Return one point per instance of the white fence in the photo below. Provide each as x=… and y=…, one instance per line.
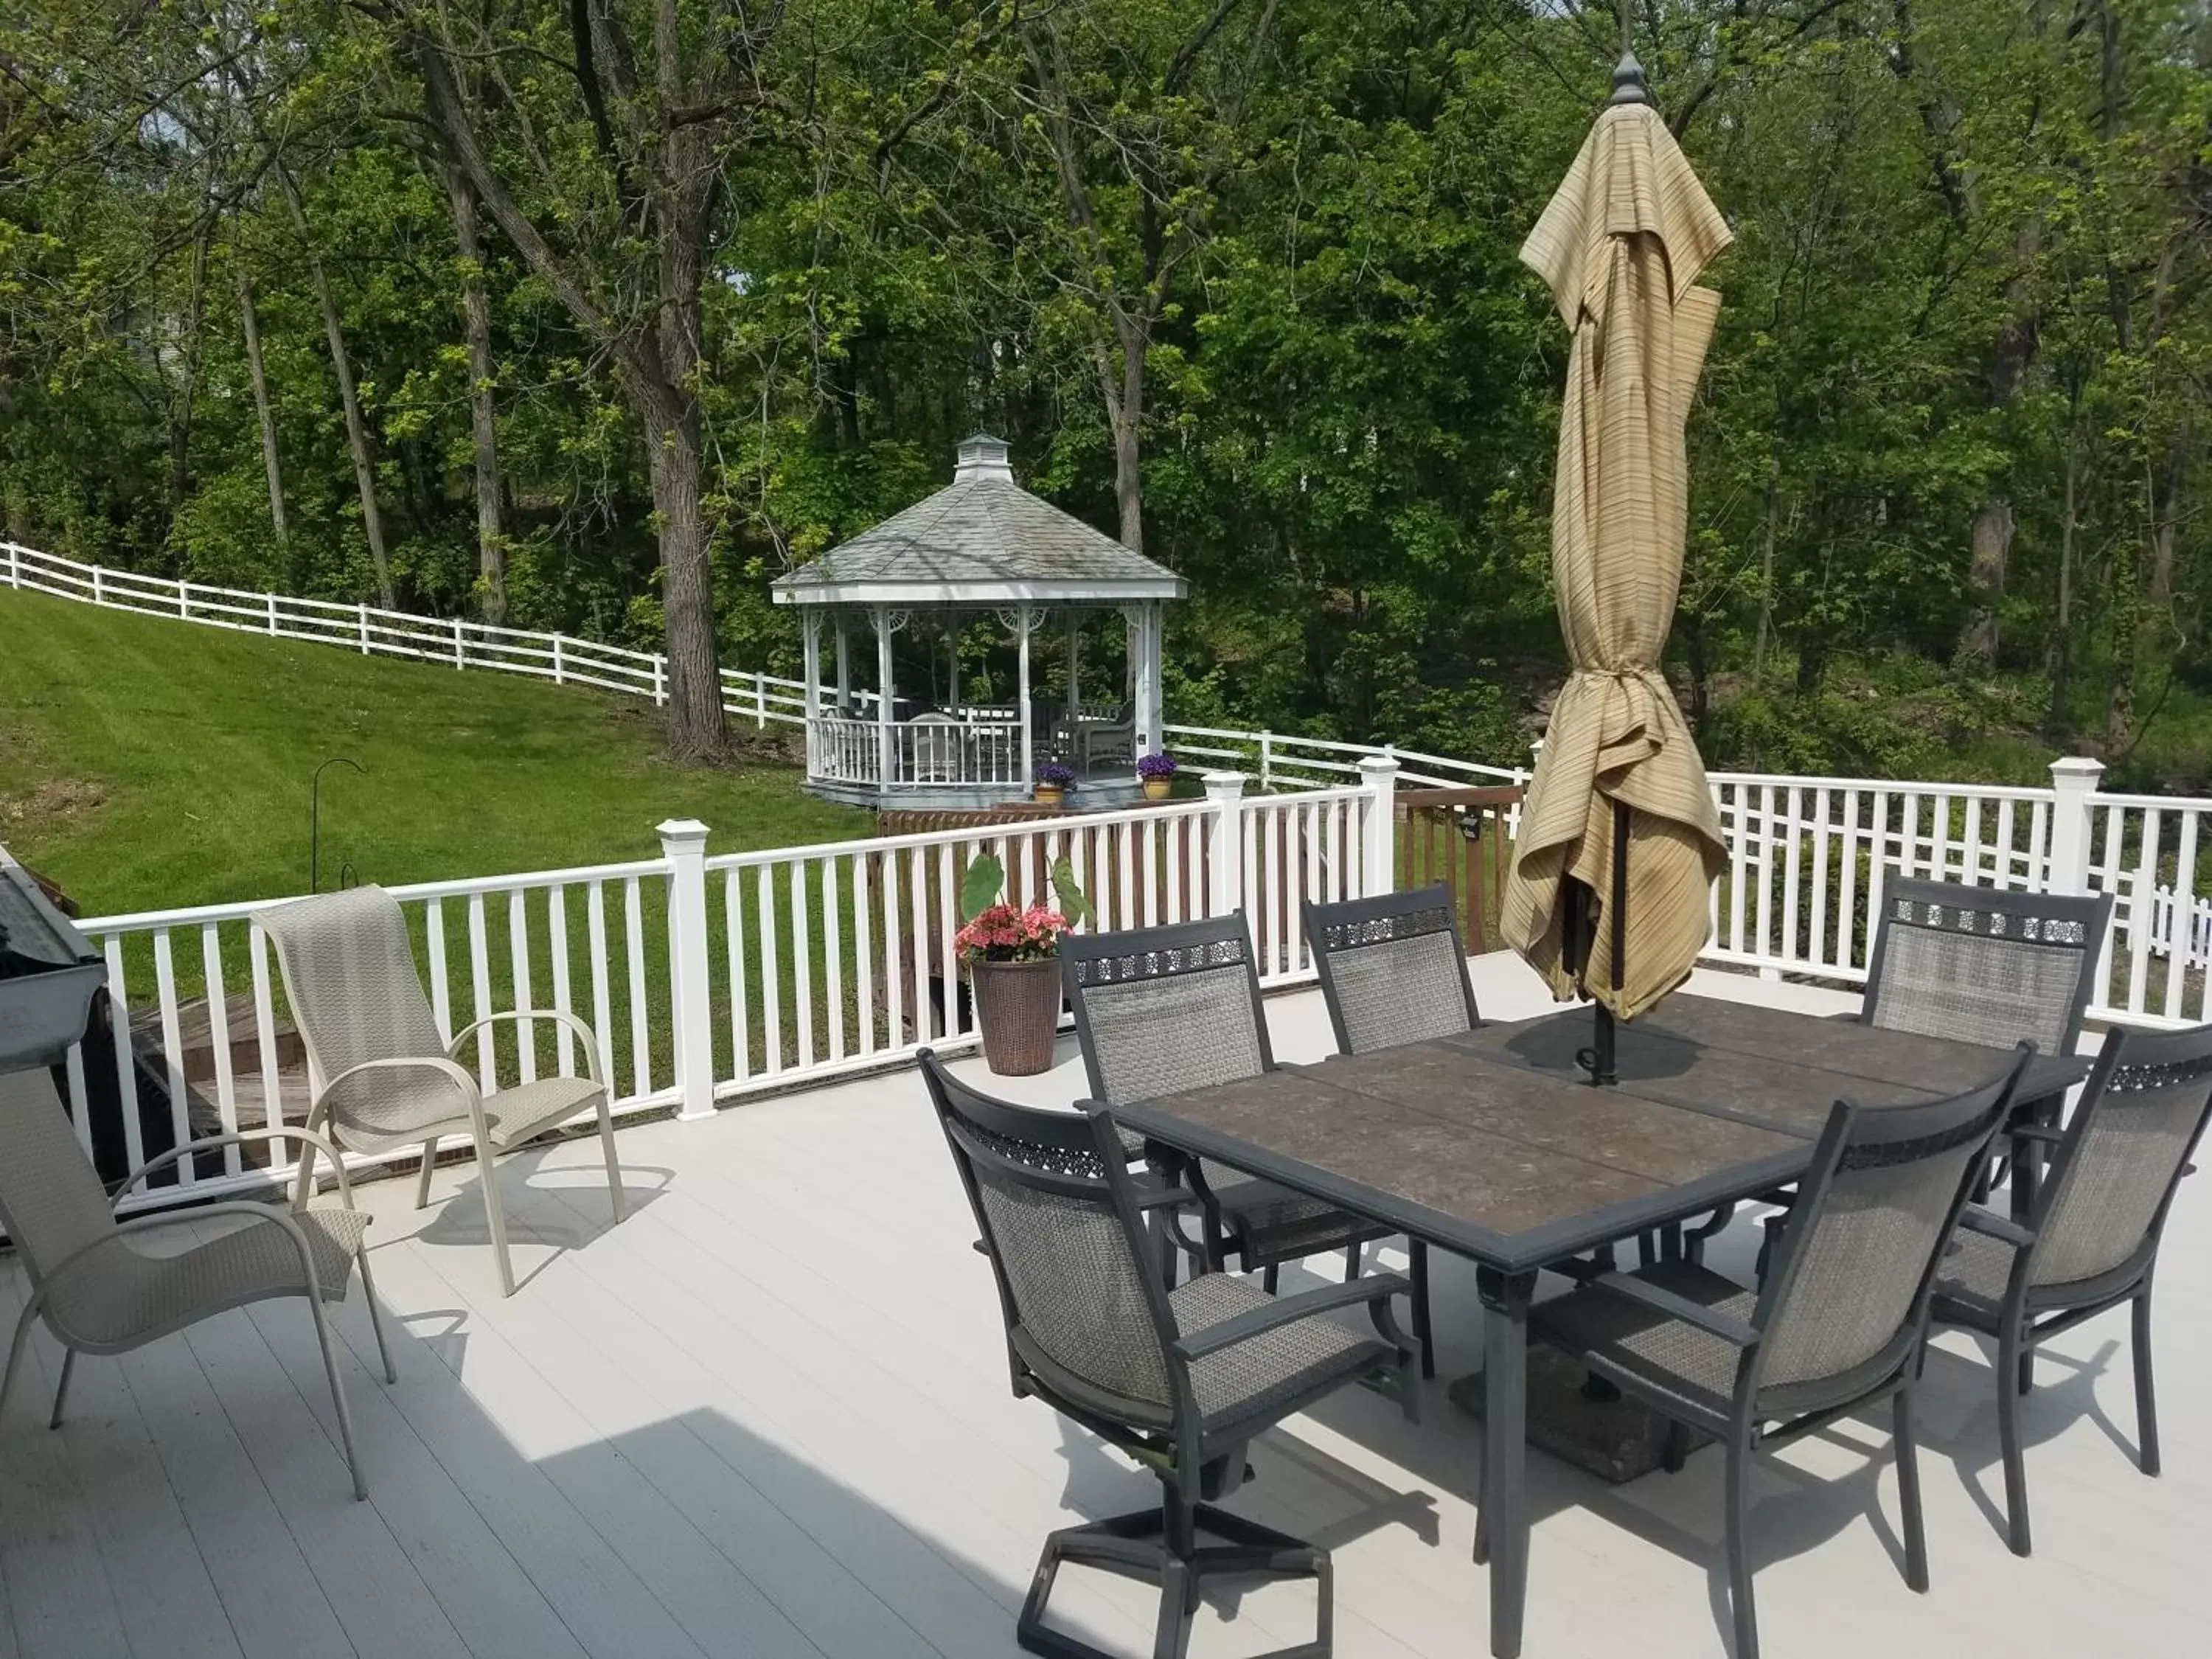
x=1808, y=856
x=703, y=978
x=456, y=641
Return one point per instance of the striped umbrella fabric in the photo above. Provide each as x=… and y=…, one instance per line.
x=1620, y=246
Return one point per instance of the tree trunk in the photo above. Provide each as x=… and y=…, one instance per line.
x=476, y=315
x=696, y=729
x=1766, y=580
x=364, y=465
x=2062, y=640
x=1991, y=541
x=271, y=463
x=1121, y=384
x=180, y=420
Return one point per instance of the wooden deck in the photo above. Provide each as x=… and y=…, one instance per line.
x=768, y=1417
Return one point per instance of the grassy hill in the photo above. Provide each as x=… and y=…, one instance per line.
x=147, y=764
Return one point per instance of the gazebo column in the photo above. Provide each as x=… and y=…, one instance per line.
x=885, y=775
x=810, y=628
x=1074, y=667
x=1022, y=640
x=1143, y=654
x=952, y=663
x=844, y=663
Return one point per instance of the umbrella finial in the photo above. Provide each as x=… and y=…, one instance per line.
x=1628, y=82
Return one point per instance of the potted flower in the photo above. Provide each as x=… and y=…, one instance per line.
x=1157, y=773
x=1011, y=956
x=1052, y=779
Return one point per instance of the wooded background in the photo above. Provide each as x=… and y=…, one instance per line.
x=599, y=315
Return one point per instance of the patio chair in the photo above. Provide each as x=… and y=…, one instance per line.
x=2092, y=1240
x=1160, y=1010
x=383, y=1076
x=1393, y=970
x=1181, y=1380
x=1978, y=966
x=1838, y=1324
x=936, y=748
x=105, y=1286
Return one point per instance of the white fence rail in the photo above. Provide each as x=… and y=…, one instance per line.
x=457, y=641
x=702, y=978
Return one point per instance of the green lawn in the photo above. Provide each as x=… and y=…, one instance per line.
x=147, y=764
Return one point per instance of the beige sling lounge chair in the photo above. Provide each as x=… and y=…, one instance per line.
x=106, y=1286
x=382, y=1075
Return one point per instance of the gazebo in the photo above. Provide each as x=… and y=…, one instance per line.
x=981, y=547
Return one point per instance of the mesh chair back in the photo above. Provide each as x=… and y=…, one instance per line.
x=1984, y=966
x=1159, y=1009
x=1852, y=1277
x=49, y=1195
x=2128, y=1140
x=1392, y=969
x=1072, y=1281
x=349, y=975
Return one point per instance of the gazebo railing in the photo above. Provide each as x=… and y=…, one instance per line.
x=926, y=751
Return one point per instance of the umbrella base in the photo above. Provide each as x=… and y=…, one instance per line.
x=1617, y=1439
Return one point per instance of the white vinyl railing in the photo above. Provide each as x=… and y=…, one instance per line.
x=1809, y=859
x=1275, y=761
x=702, y=978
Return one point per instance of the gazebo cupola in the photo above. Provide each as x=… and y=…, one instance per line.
x=920, y=583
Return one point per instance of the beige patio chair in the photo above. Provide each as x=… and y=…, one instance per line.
x=381, y=1074
x=105, y=1286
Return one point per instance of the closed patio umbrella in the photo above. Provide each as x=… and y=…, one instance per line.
x=1620, y=244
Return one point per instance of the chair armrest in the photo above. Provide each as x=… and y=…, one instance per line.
x=1712, y=1320
x=1153, y=1197
x=210, y=1142
x=1288, y=1309
x=269, y=1214
x=1993, y=1226
x=558, y=1016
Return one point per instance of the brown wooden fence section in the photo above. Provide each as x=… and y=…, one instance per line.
x=1458, y=837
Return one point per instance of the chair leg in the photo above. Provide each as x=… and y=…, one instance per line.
x=2015, y=1462
x=1424, y=1331
x=23, y=1323
x=376, y=1320
x=337, y=1396
x=1675, y=1451
x=1352, y=1256
x=615, y=1193
x=61, y=1388
x=494, y=1219
x=2146, y=1400
x=1736, y=1500
x=422, y=1181
x=1908, y=1491
x=1270, y=1277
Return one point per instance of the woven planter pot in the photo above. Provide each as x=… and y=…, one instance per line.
x=1157, y=788
x=1044, y=795
x=1018, y=1006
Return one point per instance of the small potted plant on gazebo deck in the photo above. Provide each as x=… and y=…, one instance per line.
x=1012, y=953
x=1051, y=781
x=1157, y=773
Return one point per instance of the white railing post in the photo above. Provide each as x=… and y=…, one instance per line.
x=184, y=600
x=1224, y=879
x=98, y=596
x=659, y=681
x=2074, y=778
x=15, y=565
x=272, y=599
x=760, y=702
x=460, y=657
x=362, y=611
x=560, y=661
x=683, y=844
x=1267, y=761
x=1378, y=830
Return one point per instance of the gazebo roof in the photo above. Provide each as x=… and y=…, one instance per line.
x=981, y=540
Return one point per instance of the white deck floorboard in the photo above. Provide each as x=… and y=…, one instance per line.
x=768, y=1417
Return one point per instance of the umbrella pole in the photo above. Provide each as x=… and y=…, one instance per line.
x=1598, y=1059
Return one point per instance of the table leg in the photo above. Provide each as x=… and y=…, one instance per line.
x=1501, y=1535
x=2027, y=1156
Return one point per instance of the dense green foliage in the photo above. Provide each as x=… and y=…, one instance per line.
x=1238, y=279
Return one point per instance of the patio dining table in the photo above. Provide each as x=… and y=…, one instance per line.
x=1489, y=1145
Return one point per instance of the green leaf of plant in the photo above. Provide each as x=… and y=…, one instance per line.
x=1074, y=904
x=979, y=888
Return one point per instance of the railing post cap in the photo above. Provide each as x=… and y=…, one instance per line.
x=1223, y=785
x=683, y=832
x=1378, y=766
x=2076, y=766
